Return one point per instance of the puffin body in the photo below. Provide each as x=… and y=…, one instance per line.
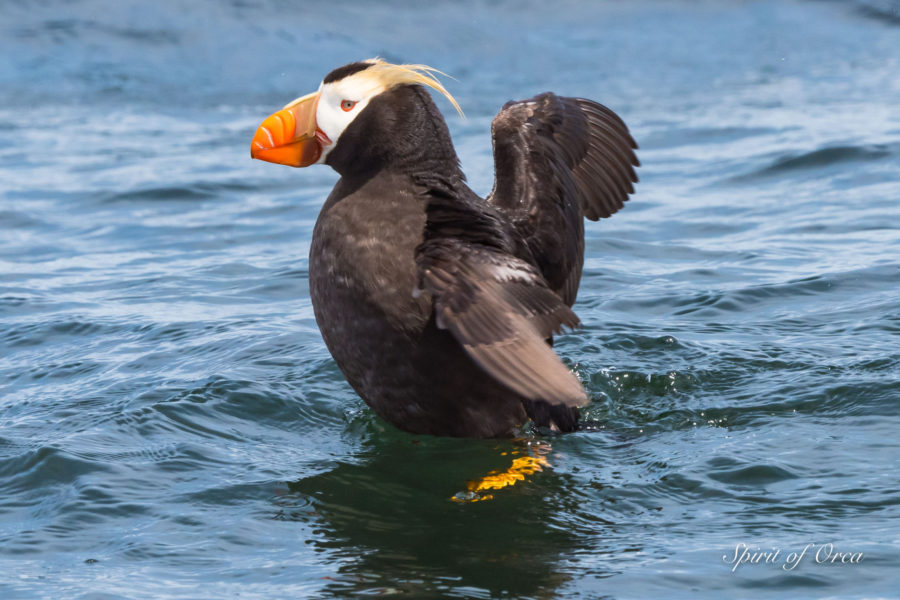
x=438, y=306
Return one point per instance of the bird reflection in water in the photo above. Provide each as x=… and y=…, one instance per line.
x=388, y=525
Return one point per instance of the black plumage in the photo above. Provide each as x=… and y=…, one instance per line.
x=438, y=305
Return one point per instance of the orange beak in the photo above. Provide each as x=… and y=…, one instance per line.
x=290, y=136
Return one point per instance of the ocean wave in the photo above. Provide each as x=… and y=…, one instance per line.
x=818, y=159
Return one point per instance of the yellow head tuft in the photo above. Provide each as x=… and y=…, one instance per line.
x=390, y=75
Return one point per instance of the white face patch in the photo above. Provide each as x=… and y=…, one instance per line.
x=334, y=113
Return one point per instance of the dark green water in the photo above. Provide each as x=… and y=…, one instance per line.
x=172, y=426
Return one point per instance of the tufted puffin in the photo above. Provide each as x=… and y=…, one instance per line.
x=439, y=306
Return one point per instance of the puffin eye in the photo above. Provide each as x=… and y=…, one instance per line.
x=347, y=105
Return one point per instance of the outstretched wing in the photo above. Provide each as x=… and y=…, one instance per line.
x=497, y=306
x=558, y=160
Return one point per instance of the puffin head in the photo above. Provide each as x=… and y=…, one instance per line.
x=305, y=131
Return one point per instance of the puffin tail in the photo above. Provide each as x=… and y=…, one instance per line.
x=552, y=418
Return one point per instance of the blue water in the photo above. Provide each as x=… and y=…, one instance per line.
x=171, y=424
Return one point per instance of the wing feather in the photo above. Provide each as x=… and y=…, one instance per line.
x=558, y=160
x=504, y=274
x=501, y=311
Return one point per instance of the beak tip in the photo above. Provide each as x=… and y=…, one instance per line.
x=279, y=140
